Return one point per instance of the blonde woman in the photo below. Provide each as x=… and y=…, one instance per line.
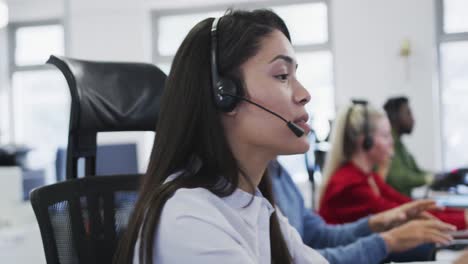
x=352, y=189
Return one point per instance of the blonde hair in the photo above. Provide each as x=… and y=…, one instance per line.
x=346, y=133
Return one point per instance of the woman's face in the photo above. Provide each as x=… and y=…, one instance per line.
x=270, y=80
x=382, y=149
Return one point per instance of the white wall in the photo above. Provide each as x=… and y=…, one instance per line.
x=30, y=10
x=109, y=30
x=367, y=35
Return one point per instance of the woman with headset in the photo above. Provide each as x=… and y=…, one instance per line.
x=362, y=140
x=231, y=104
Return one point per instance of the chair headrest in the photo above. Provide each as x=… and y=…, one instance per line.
x=112, y=96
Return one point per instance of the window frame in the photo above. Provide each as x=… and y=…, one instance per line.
x=12, y=28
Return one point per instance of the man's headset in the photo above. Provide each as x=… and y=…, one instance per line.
x=228, y=92
x=368, y=141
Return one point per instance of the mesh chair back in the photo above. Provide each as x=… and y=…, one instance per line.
x=82, y=219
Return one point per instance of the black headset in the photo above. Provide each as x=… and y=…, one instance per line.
x=368, y=141
x=226, y=92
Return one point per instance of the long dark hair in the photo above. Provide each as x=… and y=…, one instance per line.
x=190, y=126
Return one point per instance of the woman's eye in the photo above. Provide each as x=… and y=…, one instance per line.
x=282, y=77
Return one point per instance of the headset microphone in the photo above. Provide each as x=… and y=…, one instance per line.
x=298, y=131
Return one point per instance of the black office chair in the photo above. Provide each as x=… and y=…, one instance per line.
x=81, y=219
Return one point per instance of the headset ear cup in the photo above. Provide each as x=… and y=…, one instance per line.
x=228, y=103
x=367, y=143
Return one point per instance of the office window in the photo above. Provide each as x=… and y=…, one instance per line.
x=308, y=24
x=39, y=108
x=34, y=44
x=453, y=50
x=173, y=29
x=39, y=95
x=454, y=17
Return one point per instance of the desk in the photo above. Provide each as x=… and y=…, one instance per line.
x=20, y=238
x=442, y=198
x=442, y=257
x=11, y=187
x=449, y=199
x=21, y=245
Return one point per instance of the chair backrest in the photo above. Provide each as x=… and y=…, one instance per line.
x=82, y=219
x=105, y=97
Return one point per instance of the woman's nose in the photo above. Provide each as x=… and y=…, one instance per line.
x=302, y=96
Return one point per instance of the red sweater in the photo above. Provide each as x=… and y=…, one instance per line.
x=349, y=197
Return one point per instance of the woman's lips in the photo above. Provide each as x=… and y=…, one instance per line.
x=303, y=124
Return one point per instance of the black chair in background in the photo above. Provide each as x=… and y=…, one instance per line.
x=81, y=219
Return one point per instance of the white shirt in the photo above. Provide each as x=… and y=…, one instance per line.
x=196, y=226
